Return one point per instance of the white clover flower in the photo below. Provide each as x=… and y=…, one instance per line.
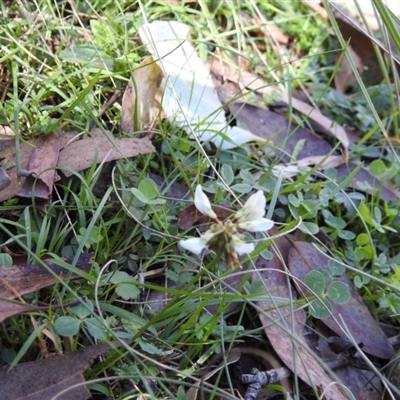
x=223, y=237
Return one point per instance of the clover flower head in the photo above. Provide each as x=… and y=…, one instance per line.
x=223, y=236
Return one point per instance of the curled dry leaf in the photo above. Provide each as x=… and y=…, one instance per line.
x=138, y=108
x=9, y=308
x=41, y=170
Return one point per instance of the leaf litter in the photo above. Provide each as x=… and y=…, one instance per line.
x=284, y=137
x=272, y=272
x=360, y=324
x=41, y=170
x=47, y=378
x=284, y=325
x=18, y=280
x=75, y=154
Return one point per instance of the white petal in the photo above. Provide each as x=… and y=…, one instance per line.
x=202, y=203
x=242, y=247
x=257, y=225
x=253, y=209
x=195, y=245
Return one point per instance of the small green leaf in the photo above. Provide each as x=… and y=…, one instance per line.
x=266, y=255
x=91, y=55
x=127, y=291
x=103, y=32
x=247, y=176
x=149, y=348
x=139, y=195
x=346, y=235
x=335, y=222
x=181, y=395
x=67, y=326
x=126, y=287
x=293, y=200
x=362, y=239
x=377, y=168
x=308, y=208
x=298, y=147
x=320, y=308
x=358, y=282
x=315, y=282
x=135, y=322
x=336, y=268
x=227, y=174
x=309, y=227
x=241, y=188
x=95, y=328
x=365, y=213
x=143, y=198
x=5, y=260
x=148, y=188
x=256, y=287
x=338, y=292
x=83, y=310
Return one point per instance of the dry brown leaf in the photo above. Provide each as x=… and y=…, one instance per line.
x=277, y=129
x=41, y=170
x=285, y=137
x=365, y=182
x=27, y=278
x=140, y=97
x=352, y=29
x=363, y=384
x=258, y=85
x=76, y=154
x=363, y=328
x=4, y=179
x=9, y=308
x=80, y=154
x=285, y=330
x=45, y=379
x=345, y=76
x=6, y=132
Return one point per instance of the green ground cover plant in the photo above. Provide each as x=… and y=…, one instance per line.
x=178, y=276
